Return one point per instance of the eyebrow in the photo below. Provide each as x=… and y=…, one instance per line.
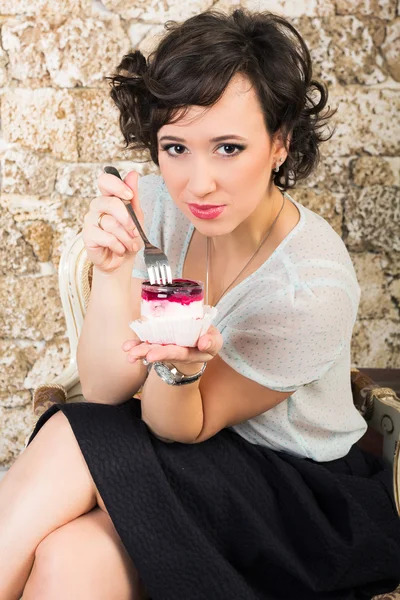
x=220, y=138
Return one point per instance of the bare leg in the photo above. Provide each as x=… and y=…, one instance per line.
x=48, y=486
x=84, y=560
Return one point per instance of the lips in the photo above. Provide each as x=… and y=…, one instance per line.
x=206, y=206
x=206, y=211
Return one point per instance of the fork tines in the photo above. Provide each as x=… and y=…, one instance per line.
x=160, y=273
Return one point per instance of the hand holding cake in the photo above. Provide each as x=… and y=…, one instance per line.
x=208, y=346
x=174, y=324
x=173, y=313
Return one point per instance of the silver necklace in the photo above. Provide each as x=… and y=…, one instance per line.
x=248, y=262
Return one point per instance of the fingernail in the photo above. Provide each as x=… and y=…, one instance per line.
x=128, y=195
x=208, y=346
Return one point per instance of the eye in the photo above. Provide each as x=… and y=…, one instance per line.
x=231, y=149
x=178, y=149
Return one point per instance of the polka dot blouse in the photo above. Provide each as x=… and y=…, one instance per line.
x=293, y=335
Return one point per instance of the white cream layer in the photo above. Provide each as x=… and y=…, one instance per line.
x=163, y=308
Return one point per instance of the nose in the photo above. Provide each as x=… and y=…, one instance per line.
x=201, y=180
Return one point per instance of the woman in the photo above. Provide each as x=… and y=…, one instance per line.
x=246, y=481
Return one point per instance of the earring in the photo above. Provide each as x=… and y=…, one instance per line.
x=278, y=165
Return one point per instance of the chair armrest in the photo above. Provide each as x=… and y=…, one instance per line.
x=380, y=407
x=55, y=391
x=45, y=396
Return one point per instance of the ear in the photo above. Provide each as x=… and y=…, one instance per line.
x=280, y=145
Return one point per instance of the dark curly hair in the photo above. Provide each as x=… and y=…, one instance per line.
x=194, y=63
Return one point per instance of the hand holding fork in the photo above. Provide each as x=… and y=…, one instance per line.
x=113, y=224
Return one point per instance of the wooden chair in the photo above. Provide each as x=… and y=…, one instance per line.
x=379, y=406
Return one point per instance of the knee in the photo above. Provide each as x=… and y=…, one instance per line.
x=48, y=571
x=57, y=424
x=56, y=430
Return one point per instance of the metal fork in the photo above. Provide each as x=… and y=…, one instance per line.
x=155, y=260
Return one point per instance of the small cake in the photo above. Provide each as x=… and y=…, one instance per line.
x=173, y=313
x=183, y=299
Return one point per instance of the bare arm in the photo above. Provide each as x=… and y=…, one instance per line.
x=105, y=374
x=195, y=412
x=173, y=413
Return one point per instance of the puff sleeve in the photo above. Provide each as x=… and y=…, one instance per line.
x=291, y=338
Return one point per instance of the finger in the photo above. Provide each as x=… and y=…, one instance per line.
x=111, y=185
x=95, y=237
x=138, y=352
x=171, y=353
x=153, y=352
x=212, y=341
x=132, y=180
x=204, y=343
x=111, y=225
x=113, y=206
x=129, y=344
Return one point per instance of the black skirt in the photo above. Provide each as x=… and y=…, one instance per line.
x=229, y=520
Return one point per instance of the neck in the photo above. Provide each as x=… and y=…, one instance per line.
x=245, y=239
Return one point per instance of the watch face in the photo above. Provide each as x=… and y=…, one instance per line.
x=164, y=373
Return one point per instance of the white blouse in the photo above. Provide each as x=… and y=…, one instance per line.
x=287, y=326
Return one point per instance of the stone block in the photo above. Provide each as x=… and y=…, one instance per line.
x=81, y=179
x=343, y=50
x=3, y=68
x=394, y=292
x=54, y=11
x=15, y=425
x=375, y=302
x=286, y=8
x=76, y=208
x=138, y=31
x=391, y=49
x=154, y=11
x=319, y=41
x=49, y=365
x=26, y=42
x=367, y=121
x=63, y=235
x=391, y=265
x=42, y=120
x=375, y=170
x=383, y=9
x=376, y=344
x=31, y=208
x=15, y=399
x=99, y=135
x=332, y=174
x=372, y=217
x=324, y=203
x=355, y=56
x=14, y=368
x=30, y=308
x=40, y=236
x=28, y=172
x=151, y=40
x=77, y=53
x=78, y=180
x=16, y=254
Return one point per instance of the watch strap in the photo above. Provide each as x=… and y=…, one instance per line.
x=171, y=374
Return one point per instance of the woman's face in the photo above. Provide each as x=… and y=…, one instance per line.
x=216, y=156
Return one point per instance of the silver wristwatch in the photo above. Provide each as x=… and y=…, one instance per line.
x=170, y=374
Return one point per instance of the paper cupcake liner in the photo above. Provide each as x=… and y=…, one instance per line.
x=179, y=331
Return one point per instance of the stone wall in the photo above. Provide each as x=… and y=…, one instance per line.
x=59, y=128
